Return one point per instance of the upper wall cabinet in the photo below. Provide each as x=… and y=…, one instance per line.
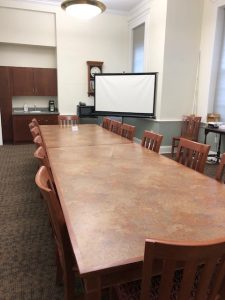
x=45, y=81
x=34, y=82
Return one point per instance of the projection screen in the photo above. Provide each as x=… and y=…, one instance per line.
x=124, y=94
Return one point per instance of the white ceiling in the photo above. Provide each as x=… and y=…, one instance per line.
x=119, y=5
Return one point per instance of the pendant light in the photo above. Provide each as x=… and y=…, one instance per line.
x=83, y=9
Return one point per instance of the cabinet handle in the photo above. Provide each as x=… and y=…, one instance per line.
x=33, y=91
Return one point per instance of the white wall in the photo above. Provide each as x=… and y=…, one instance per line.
x=153, y=14
x=172, y=43
x=27, y=27
x=210, y=45
x=104, y=38
x=27, y=56
x=156, y=35
x=182, y=41
x=173, y=30
x=19, y=55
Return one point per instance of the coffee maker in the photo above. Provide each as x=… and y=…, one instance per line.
x=51, y=105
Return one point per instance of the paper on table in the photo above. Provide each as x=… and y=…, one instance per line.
x=75, y=128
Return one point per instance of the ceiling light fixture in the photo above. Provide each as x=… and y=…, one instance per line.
x=83, y=9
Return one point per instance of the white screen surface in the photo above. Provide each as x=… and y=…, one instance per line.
x=125, y=93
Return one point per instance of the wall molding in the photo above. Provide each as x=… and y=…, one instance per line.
x=162, y=121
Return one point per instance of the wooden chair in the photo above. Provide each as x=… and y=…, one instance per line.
x=106, y=123
x=35, y=121
x=127, y=131
x=65, y=120
x=189, y=130
x=220, y=168
x=151, y=140
x=115, y=126
x=189, y=271
x=38, y=141
x=63, y=246
x=41, y=155
x=35, y=132
x=192, y=154
x=31, y=125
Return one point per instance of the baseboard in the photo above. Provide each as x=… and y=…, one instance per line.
x=165, y=149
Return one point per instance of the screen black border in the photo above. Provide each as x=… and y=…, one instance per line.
x=128, y=114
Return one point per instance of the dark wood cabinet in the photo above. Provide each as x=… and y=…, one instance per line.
x=45, y=82
x=34, y=81
x=22, y=81
x=21, y=131
x=19, y=81
x=6, y=104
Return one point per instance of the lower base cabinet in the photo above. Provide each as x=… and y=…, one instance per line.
x=21, y=131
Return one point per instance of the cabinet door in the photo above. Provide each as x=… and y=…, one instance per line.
x=48, y=119
x=21, y=131
x=45, y=81
x=23, y=81
x=6, y=104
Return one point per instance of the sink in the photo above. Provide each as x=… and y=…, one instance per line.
x=35, y=111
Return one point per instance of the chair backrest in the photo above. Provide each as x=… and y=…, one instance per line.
x=38, y=141
x=43, y=181
x=106, y=123
x=31, y=125
x=35, y=132
x=35, y=121
x=65, y=120
x=115, y=126
x=151, y=140
x=190, y=127
x=220, y=168
x=187, y=269
x=127, y=131
x=41, y=155
x=192, y=154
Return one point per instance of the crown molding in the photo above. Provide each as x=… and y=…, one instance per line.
x=46, y=2
x=140, y=10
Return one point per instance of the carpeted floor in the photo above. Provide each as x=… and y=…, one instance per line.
x=27, y=266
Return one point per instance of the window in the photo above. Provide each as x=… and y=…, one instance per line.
x=138, y=49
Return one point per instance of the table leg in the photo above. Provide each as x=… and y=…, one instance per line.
x=218, y=150
x=92, y=288
x=206, y=133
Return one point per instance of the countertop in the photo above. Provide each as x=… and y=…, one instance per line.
x=31, y=111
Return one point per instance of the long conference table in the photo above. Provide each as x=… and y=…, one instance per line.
x=115, y=194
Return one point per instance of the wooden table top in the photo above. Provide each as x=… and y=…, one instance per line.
x=86, y=135
x=114, y=197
